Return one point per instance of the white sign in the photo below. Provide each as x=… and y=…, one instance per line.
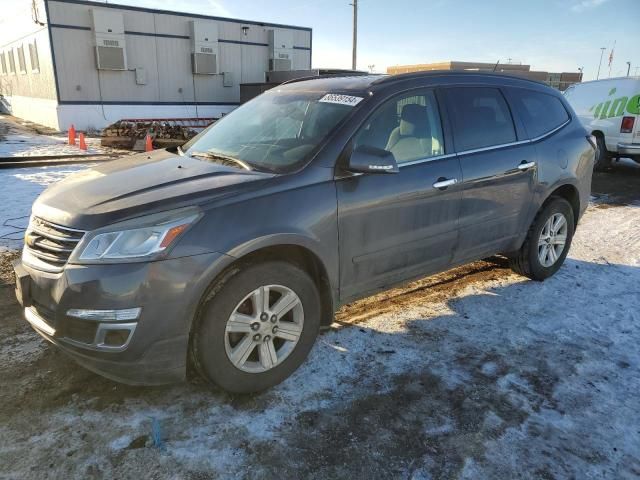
x=341, y=99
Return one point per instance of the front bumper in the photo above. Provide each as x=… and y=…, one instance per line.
x=631, y=149
x=154, y=346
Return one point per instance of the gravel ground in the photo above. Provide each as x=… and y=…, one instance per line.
x=474, y=373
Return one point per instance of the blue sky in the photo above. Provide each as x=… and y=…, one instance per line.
x=554, y=35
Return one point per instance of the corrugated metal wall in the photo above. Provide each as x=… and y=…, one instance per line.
x=18, y=30
x=159, y=43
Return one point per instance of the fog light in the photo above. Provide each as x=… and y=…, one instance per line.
x=116, y=338
x=105, y=315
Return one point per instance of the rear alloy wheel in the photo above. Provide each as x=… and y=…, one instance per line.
x=257, y=327
x=547, y=242
x=553, y=239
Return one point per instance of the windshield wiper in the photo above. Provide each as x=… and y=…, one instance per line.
x=224, y=159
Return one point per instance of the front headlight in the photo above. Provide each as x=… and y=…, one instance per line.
x=122, y=242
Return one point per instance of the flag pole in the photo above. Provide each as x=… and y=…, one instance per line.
x=611, y=57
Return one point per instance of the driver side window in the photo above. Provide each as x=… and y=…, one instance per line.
x=408, y=126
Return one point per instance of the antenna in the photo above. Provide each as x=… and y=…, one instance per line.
x=496, y=65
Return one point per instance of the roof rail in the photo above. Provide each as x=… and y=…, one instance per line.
x=343, y=74
x=439, y=73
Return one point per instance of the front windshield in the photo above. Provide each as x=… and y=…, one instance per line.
x=275, y=132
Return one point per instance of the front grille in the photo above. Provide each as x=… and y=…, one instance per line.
x=52, y=244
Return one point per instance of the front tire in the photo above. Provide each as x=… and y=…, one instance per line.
x=257, y=327
x=548, y=241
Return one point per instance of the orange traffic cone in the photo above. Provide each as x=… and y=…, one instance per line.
x=72, y=135
x=83, y=144
x=148, y=144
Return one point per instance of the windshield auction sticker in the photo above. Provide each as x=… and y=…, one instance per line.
x=341, y=99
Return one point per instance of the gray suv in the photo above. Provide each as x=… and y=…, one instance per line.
x=229, y=254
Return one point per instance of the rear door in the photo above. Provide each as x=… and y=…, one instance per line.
x=498, y=170
x=396, y=226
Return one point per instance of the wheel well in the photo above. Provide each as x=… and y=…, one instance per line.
x=304, y=259
x=570, y=194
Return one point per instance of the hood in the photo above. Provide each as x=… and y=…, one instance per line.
x=138, y=185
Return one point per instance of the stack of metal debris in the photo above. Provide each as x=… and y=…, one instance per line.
x=164, y=132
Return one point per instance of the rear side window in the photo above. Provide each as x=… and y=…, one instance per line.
x=541, y=112
x=481, y=117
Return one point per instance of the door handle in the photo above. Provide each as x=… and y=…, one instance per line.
x=443, y=183
x=524, y=165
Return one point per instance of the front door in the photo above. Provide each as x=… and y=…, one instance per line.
x=393, y=227
x=498, y=170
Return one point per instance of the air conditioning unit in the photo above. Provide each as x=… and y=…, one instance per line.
x=108, y=29
x=204, y=48
x=280, y=50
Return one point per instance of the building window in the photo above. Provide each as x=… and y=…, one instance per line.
x=12, y=62
x=33, y=55
x=21, y=61
x=3, y=64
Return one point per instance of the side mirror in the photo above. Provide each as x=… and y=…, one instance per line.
x=366, y=159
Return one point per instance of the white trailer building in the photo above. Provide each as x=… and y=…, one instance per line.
x=90, y=64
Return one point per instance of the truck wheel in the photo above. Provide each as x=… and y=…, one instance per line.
x=547, y=242
x=603, y=157
x=257, y=327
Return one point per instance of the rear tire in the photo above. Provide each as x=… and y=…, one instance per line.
x=239, y=309
x=540, y=255
x=603, y=157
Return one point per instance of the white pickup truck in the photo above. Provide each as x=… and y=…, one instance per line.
x=610, y=110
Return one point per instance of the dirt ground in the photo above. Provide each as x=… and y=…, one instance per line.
x=474, y=373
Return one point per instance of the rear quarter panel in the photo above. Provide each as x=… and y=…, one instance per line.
x=564, y=158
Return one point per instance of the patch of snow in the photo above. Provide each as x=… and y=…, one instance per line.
x=19, y=188
x=121, y=443
x=19, y=142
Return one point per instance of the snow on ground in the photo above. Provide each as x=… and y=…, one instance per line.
x=481, y=374
x=16, y=141
x=506, y=378
x=18, y=190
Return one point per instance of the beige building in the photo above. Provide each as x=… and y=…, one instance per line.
x=89, y=63
x=561, y=80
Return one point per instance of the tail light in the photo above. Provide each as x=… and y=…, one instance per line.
x=627, y=124
x=593, y=141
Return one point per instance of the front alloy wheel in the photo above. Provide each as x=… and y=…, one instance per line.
x=256, y=326
x=264, y=328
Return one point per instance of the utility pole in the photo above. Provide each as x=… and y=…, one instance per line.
x=355, y=34
x=602, y=49
x=628, y=68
